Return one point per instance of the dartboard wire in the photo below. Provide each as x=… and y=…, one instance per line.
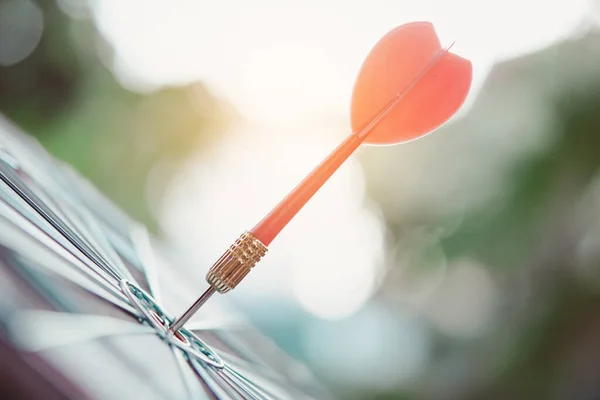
x=93, y=280
x=97, y=240
x=115, y=219
x=69, y=237
x=222, y=331
x=98, y=243
x=270, y=383
x=39, y=231
x=244, y=390
x=38, y=277
x=258, y=391
x=253, y=373
x=238, y=363
x=10, y=168
x=231, y=339
x=261, y=384
x=267, y=388
x=243, y=385
x=29, y=219
x=104, y=251
x=221, y=391
x=99, y=235
x=141, y=243
x=58, y=222
x=83, y=220
x=244, y=359
x=193, y=387
x=218, y=382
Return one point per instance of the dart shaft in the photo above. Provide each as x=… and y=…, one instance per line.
x=267, y=229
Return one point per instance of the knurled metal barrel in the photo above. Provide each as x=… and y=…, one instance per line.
x=236, y=263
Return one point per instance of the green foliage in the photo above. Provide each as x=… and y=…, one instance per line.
x=64, y=95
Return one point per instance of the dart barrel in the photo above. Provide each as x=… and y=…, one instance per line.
x=236, y=263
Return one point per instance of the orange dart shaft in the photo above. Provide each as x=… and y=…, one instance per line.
x=267, y=229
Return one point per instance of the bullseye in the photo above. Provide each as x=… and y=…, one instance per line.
x=153, y=314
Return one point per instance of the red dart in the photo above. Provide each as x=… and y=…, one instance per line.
x=407, y=87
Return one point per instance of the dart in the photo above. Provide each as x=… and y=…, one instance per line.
x=407, y=87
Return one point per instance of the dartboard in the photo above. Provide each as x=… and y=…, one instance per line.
x=84, y=294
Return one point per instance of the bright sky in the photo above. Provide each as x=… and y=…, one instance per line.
x=285, y=65
x=276, y=59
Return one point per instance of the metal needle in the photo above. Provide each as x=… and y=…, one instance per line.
x=179, y=322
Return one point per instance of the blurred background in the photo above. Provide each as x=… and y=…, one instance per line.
x=464, y=265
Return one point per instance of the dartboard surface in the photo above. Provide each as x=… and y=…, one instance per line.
x=85, y=294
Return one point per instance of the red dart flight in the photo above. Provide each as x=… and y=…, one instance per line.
x=407, y=87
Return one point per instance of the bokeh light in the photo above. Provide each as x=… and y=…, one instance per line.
x=21, y=27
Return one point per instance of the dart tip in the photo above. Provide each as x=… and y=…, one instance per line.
x=226, y=273
x=179, y=322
